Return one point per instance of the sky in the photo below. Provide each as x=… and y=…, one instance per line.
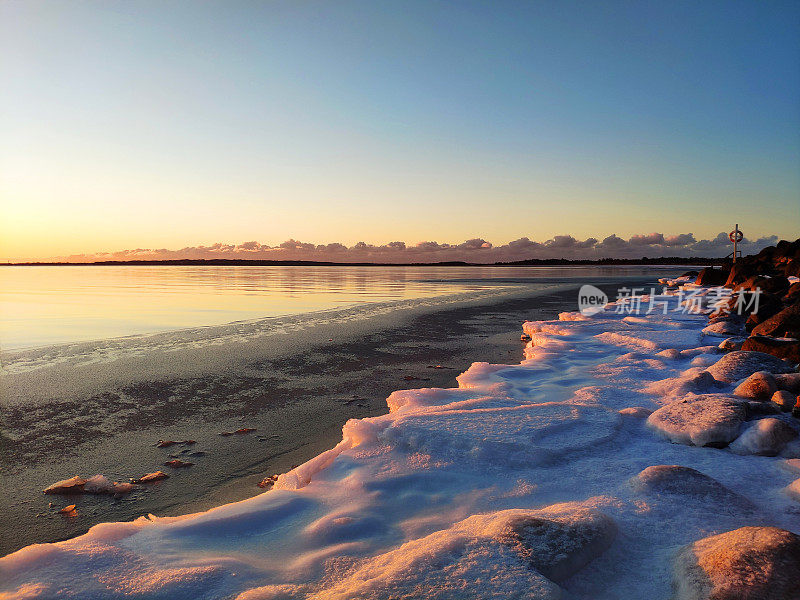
x=144, y=128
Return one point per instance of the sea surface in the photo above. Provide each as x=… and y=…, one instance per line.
x=43, y=306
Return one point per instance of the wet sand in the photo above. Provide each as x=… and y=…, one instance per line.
x=297, y=399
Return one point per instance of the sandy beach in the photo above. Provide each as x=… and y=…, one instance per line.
x=296, y=395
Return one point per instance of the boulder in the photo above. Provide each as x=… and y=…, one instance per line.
x=724, y=328
x=711, y=276
x=784, y=348
x=711, y=420
x=760, y=386
x=739, y=272
x=731, y=343
x=640, y=412
x=768, y=306
x=758, y=408
x=784, y=400
x=793, y=294
x=789, y=382
x=777, y=285
x=780, y=324
x=765, y=437
x=676, y=480
x=792, y=268
x=740, y=364
x=793, y=490
x=787, y=249
x=750, y=563
x=559, y=547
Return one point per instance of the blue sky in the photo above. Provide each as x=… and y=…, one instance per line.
x=172, y=124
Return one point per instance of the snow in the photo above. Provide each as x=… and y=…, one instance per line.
x=766, y=437
x=762, y=560
x=700, y=420
x=556, y=477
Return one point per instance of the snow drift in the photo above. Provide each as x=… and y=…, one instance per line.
x=537, y=480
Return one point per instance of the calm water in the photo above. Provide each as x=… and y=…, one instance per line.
x=51, y=305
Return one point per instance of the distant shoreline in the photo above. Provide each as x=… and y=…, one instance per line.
x=237, y=262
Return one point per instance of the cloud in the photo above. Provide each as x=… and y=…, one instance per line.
x=476, y=250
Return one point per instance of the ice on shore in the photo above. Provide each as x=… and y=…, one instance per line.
x=557, y=477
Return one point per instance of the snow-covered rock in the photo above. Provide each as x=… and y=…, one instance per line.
x=712, y=420
x=740, y=364
x=765, y=437
x=750, y=563
x=639, y=412
x=560, y=543
x=789, y=382
x=784, y=400
x=521, y=552
x=760, y=386
x=724, y=329
x=731, y=343
x=793, y=490
x=687, y=483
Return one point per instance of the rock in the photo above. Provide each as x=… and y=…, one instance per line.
x=676, y=480
x=765, y=285
x=792, y=449
x=560, y=546
x=758, y=408
x=738, y=273
x=74, y=485
x=792, y=268
x=525, y=338
x=781, y=324
x=244, y=430
x=793, y=294
x=101, y=485
x=178, y=464
x=267, y=482
x=782, y=348
x=150, y=477
x=765, y=437
x=740, y=364
x=165, y=443
x=69, y=510
x=789, y=382
x=711, y=276
x=784, y=400
x=750, y=563
x=796, y=409
x=700, y=420
x=731, y=343
x=793, y=490
x=792, y=465
x=760, y=386
x=638, y=412
x=725, y=328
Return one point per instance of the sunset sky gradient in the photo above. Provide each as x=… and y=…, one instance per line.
x=174, y=125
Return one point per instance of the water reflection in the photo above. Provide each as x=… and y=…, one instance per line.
x=48, y=305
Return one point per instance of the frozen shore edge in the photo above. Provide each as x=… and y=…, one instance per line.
x=525, y=481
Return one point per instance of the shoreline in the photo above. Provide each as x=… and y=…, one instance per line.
x=306, y=401
x=581, y=438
